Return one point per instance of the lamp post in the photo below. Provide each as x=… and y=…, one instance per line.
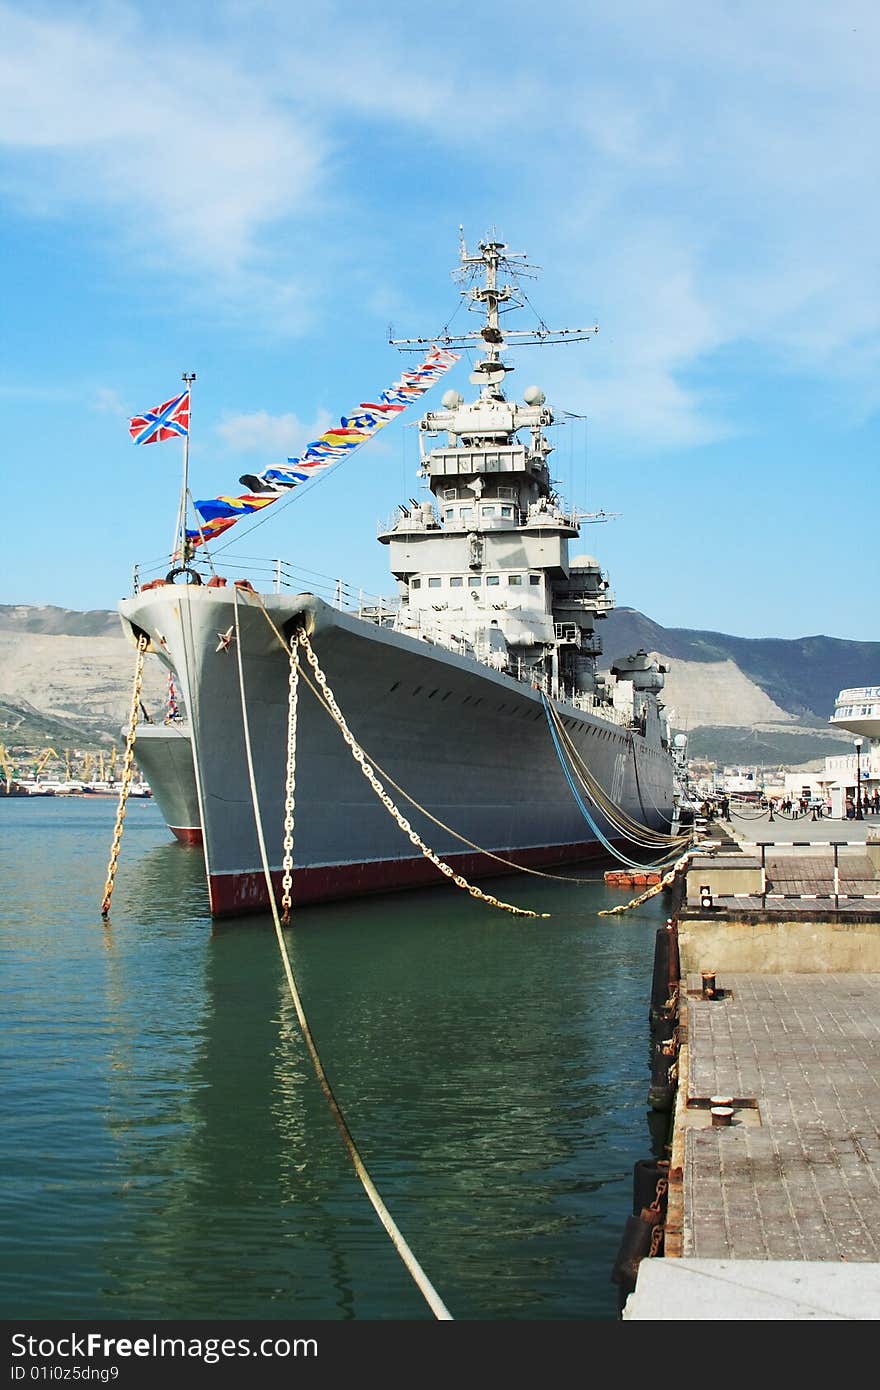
x=857, y=744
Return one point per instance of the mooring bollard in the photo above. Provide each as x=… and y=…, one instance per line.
x=709, y=988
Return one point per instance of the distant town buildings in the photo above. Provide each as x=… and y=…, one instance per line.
x=848, y=781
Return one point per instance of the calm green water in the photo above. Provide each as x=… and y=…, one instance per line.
x=167, y=1150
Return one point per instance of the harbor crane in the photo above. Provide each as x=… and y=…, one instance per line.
x=8, y=768
x=42, y=760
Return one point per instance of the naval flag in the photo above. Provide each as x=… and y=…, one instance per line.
x=168, y=421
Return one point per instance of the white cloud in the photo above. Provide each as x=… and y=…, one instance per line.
x=182, y=146
x=260, y=432
x=109, y=402
x=708, y=168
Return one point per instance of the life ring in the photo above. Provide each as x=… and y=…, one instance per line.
x=193, y=576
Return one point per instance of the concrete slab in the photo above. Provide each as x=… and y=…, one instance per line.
x=692, y=1290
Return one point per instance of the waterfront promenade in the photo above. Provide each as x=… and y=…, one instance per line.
x=787, y=830
x=774, y=1207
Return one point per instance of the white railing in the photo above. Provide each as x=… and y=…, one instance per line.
x=857, y=695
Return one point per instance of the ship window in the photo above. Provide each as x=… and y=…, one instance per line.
x=493, y=578
x=508, y=493
x=451, y=494
x=507, y=511
x=534, y=579
x=415, y=583
x=474, y=581
x=434, y=583
x=449, y=513
x=455, y=581
x=466, y=513
x=488, y=511
x=514, y=579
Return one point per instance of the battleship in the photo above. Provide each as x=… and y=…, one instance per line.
x=475, y=694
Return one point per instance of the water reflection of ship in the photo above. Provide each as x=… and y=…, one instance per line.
x=468, y=1136
x=234, y=1127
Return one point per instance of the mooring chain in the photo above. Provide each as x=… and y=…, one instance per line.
x=360, y=758
x=290, y=786
x=666, y=880
x=656, y=1208
x=127, y=773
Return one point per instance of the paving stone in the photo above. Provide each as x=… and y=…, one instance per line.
x=805, y=1185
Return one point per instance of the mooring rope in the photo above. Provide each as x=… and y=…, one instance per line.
x=429, y=1293
x=631, y=829
x=609, y=845
x=127, y=772
x=634, y=831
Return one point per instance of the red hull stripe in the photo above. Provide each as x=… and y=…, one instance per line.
x=234, y=894
x=187, y=834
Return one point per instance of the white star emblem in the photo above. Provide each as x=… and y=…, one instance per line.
x=226, y=640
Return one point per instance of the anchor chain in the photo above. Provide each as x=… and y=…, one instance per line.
x=127, y=773
x=360, y=758
x=290, y=786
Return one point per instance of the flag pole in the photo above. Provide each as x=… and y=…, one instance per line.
x=185, y=554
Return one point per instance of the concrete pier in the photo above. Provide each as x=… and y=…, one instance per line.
x=774, y=1209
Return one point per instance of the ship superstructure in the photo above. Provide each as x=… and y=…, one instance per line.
x=484, y=566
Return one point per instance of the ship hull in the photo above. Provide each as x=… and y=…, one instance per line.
x=468, y=745
x=163, y=753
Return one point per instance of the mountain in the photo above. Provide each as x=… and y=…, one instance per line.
x=66, y=675
x=745, y=700
x=802, y=676
x=58, y=622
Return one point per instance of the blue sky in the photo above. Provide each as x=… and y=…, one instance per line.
x=254, y=191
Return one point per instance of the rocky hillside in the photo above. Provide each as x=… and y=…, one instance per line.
x=65, y=678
